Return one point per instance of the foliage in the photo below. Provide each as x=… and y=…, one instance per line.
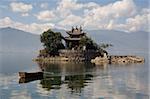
x=52, y=42
x=88, y=42
x=102, y=48
x=70, y=44
x=43, y=53
x=105, y=45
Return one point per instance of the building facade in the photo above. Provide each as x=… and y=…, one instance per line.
x=74, y=36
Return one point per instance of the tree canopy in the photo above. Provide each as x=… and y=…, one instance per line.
x=105, y=45
x=88, y=42
x=52, y=42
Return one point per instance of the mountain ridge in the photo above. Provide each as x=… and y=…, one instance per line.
x=17, y=40
x=14, y=40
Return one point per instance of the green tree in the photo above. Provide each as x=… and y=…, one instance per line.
x=105, y=45
x=102, y=48
x=88, y=42
x=52, y=42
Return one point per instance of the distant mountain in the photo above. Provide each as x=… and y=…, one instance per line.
x=120, y=40
x=17, y=40
x=123, y=42
x=14, y=40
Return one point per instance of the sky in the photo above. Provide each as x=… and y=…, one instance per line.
x=36, y=16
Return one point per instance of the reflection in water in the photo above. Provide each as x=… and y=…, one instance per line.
x=51, y=83
x=73, y=81
x=75, y=76
x=103, y=81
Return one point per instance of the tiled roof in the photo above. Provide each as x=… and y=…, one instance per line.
x=72, y=39
x=75, y=32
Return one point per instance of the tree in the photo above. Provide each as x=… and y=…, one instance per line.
x=105, y=45
x=52, y=42
x=88, y=42
x=102, y=48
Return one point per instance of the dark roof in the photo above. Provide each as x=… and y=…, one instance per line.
x=75, y=32
x=72, y=39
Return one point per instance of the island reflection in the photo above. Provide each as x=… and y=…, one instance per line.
x=74, y=75
x=75, y=79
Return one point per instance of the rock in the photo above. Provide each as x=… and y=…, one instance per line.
x=118, y=59
x=100, y=60
x=126, y=59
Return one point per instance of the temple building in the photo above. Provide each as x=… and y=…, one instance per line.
x=75, y=35
x=74, y=50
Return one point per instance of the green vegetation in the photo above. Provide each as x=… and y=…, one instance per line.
x=52, y=42
x=105, y=45
x=88, y=42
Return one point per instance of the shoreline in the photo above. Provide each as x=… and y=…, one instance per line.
x=112, y=59
x=119, y=59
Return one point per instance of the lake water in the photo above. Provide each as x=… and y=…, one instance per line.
x=72, y=80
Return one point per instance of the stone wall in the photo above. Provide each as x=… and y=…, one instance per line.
x=78, y=55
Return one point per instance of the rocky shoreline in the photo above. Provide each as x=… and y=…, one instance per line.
x=113, y=59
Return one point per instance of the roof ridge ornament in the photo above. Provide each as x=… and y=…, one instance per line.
x=80, y=28
x=76, y=28
x=72, y=29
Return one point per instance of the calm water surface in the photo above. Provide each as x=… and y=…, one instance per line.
x=72, y=80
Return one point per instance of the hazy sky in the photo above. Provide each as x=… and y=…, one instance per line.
x=38, y=15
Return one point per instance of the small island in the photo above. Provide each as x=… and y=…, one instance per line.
x=78, y=47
